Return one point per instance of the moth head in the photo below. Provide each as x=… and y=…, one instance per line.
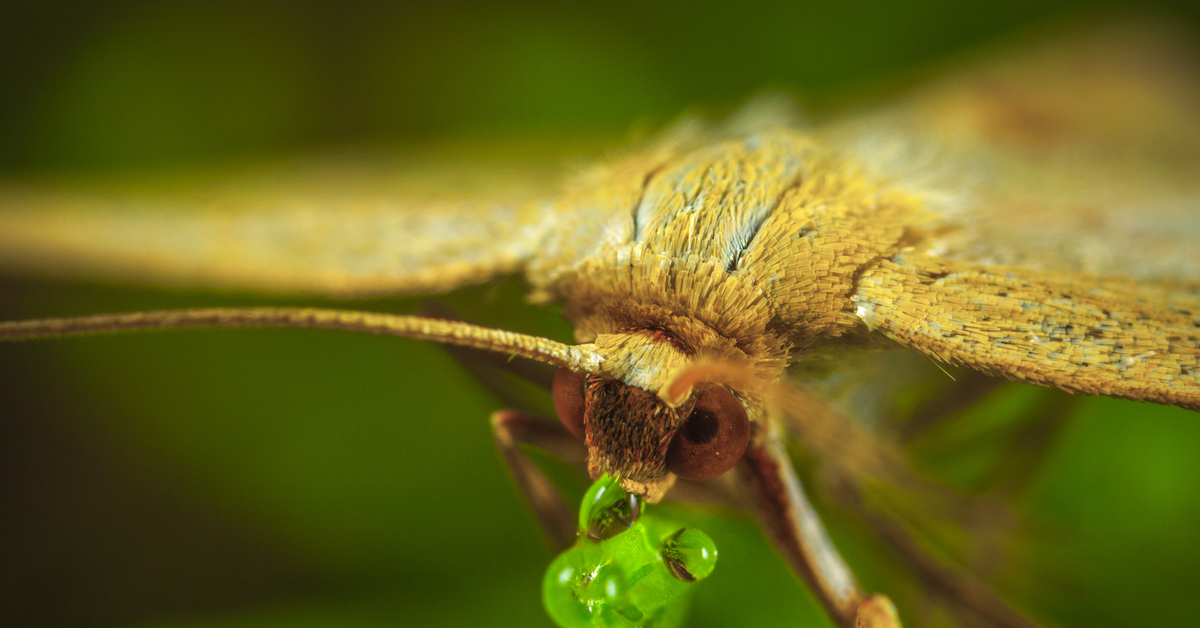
x=652, y=413
x=649, y=408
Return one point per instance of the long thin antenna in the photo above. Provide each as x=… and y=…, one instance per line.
x=579, y=358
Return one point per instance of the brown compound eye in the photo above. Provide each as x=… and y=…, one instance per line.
x=567, y=391
x=712, y=438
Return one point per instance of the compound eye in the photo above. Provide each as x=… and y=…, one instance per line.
x=567, y=391
x=712, y=438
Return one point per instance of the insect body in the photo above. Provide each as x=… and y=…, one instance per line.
x=697, y=268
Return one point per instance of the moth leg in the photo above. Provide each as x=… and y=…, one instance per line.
x=797, y=531
x=513, y=428
x=968, y=596
x=855, y=459
x=488, y=367
x=993, y=518
x=724, y=490
x=970, y=387
x=495, y=371
x=1032, y=445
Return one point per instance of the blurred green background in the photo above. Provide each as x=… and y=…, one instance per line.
x=289, y=478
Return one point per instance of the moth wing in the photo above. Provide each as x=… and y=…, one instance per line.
x=1060, y=192
x=343, y=227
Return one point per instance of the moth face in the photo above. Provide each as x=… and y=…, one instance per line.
x=633, y=435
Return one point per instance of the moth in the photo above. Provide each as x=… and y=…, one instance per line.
x=1034, y=219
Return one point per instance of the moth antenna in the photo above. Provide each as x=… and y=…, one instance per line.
x=734, y=373
x=579, y=358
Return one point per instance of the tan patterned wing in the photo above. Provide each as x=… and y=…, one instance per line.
x=1082, y=334
x=1061, y=199
x=1079, y=157
x=398, y=225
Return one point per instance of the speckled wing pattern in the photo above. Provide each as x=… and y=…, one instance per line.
x=333, y=226
x=1034, y=218
x=1059, y=238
